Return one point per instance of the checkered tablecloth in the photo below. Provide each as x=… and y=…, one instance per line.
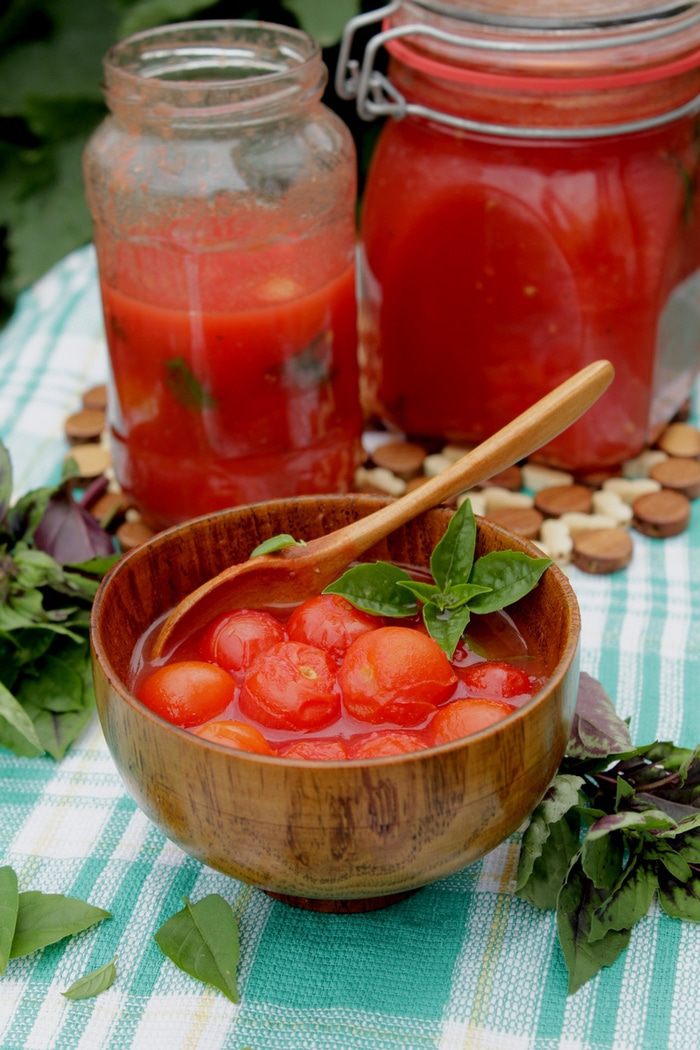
x=462, y=965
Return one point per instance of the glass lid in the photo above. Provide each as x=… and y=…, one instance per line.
x=559, y=14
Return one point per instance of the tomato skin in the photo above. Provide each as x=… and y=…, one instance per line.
x=327, y=750
x=379, y=745
x=291, y=686
x=463, y=717
x=396, y=675
x=496, y=680
x=187, y=692
x=236, y=638
x=240, y=735
x=331, y=623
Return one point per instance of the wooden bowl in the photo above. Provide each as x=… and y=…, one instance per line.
x=343, y=835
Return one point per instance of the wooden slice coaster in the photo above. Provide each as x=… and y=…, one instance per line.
x=86, y=425
x=110, y=509
x=595, y=479
x=680, y=439
x=681, y=475
x=403, y=458
x=92, y=460
x=96, y=397
x=602, y=551
x=132, y=534
x=564, y=499
x=661, y=514
x=511, y=479
x=523, y=521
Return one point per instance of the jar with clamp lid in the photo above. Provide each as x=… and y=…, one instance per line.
x=532, y=205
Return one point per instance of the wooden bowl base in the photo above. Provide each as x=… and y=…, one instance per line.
x=341, y=907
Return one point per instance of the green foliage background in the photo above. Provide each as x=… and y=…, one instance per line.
x=51, y=69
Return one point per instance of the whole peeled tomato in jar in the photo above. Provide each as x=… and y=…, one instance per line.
x=533, y=208
x=222, y=194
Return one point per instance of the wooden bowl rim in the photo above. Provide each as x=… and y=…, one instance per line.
x=280, y=761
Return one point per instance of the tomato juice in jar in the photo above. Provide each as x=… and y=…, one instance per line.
x=222, y=194
x=534, y=207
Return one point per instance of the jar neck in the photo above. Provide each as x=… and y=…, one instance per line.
x=212, y=74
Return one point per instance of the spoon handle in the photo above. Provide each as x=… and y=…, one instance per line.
x=529, y=431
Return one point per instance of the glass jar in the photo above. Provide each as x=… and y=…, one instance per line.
x=222, y=193
x=532, y=207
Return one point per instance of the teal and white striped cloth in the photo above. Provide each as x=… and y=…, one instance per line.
x=462, y=965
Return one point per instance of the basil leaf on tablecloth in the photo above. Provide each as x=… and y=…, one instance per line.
x=373, y=588
x=680, y=900
x=597, y=730
x=446, y=626
x=202, y=940
x=549, y=843
x=510, y=575
x=93, y=983
x=9, y=906
x=627, y=903
x=452, y=558
x=15, y=718
x=577, y=901
x=44, y=918
x=276, y=543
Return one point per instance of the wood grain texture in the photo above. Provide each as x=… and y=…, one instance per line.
x=335, y=831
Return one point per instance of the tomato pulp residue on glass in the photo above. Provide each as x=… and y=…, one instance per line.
x=330, y=682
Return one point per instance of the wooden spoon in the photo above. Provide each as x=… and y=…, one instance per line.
x=297, y=573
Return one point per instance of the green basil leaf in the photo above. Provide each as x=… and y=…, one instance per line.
x=649, y=820
x=9, y=906
x=185, y=387
x=58, y=730
x=17, y=718
x=623, y=790
x=560, y=798
x=58, y=685
x=689, y=765
x=578, y=898
x=276, y=543
x=446, y=626
x=597, y=730
x=93, y=983
x=550, y=868
x=602, y=857
x=202, y=940
x=674, y=863
x=462, y=594
x=45, y=918
x=627, y=903
x=685, y=838
x=452, y=558
x=680, y=900
x=373, y=588
x=510, y=575
x=26, y=515
x=424, y=592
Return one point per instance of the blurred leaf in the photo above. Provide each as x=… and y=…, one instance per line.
x=17, y=719
x=323, y=19
x=5, y=480
x=51, y=221
x=9, y=906
x=148, y=13
x=69, y=533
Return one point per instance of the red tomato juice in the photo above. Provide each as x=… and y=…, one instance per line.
x=494, y=269
x=250, y=396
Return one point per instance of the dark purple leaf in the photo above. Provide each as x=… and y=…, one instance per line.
x=69, y=533
x=597, y=731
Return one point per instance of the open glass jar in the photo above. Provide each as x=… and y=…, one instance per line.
x=531, y=207
x=222, y=193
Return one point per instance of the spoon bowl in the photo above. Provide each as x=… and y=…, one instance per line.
x=300, y=572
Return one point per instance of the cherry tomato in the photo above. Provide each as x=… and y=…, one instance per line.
x=291, y=686
x=462, y=717
x=235, y=734
x=323, y=750
x=188, y=692
x=235, y=639
x=378, y=745
x=496, y=680
x=331, y=623
x=395, y=674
